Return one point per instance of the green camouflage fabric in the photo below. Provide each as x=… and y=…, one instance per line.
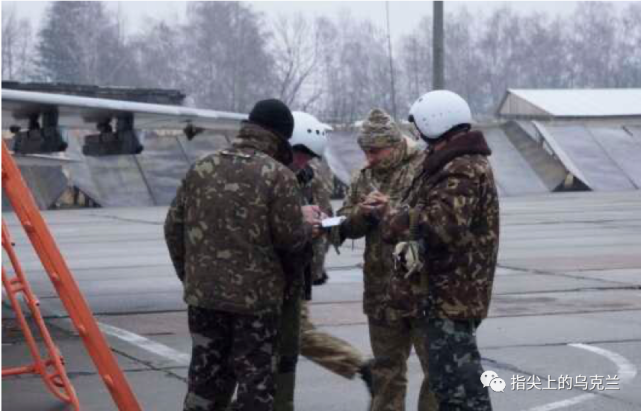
x=456, y=210
x=455, y=365
x=379, y=130
x=393, y=331
x=236, y=213
x=319, y=192
x=392, y=343
x=332, y=353
x=320, y=189
x=289, y=346
x=378, y=262
x=231, y=350
x=314, y=192
x=297, y=334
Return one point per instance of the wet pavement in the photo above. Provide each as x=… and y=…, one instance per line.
x=566, y=303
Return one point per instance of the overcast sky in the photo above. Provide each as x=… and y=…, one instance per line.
x=404, y=15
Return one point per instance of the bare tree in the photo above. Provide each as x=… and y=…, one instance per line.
x=16, y=46
x=416, y=63
x=592, y=45
x=628, y=52
x=462, y=73
x=79, y=42
x=161, y=54
x=228, y=64
x=498, y=47
x=296, y=52
x=544, y=56
x=226, y=57
x=357, y=76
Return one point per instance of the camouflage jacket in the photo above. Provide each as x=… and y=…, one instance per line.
x=319, y=192
x=378, y=254
x=236, y=212
x=456, y=213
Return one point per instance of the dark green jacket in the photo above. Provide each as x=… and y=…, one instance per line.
x=236, y=213
x=456, y=205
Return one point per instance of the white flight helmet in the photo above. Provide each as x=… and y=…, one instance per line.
x=309, y=132
x=438, y=111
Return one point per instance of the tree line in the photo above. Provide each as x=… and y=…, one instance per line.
x=226, y=55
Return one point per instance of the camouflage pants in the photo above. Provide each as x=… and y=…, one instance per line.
x=288, y=350
x=392, y=342
x=320, y=246
x=330, y=352
x=227, y=350
x=455, y=365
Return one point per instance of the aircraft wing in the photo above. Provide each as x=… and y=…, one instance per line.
x=43, y=160
x=85, y=112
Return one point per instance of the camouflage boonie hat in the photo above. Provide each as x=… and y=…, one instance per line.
x=379, y=131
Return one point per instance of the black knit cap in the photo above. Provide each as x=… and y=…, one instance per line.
x=274, y=115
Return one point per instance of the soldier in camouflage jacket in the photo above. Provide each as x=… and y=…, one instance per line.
x=298, y=335
x=235, y=213
x=393, y=162
x=457, y=217
x=452, y=209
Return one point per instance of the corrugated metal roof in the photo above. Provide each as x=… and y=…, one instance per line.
x=582, y=102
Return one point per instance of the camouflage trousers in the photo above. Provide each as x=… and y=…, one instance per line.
x=298, y=334
x=332, y=353
x=288, y=350
x=230, y=350
x=455, y=365
x=392, y=342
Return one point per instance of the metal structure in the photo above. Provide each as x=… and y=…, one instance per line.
x=118, y=122
x=438, y=72
x=67, y=289
x=593, y=133
x=571, y=103
x=147, y=179
x=514, y=176
x=604, y=158
x=117, y=139
x=531, y=147
x=50, y=368
x=391, y=61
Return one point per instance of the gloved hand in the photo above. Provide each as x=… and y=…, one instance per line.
x=407, y=258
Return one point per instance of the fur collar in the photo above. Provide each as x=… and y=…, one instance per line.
x=472, y=142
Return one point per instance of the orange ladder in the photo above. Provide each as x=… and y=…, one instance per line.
x=67, y=289
x=52, y=370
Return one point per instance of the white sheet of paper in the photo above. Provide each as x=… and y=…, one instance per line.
x=332, y=221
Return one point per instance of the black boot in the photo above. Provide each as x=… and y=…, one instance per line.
x=366, y=375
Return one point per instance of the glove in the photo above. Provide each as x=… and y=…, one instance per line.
x=407, y=258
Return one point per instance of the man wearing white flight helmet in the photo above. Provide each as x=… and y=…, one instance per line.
x=297, y=333
x=450, y=215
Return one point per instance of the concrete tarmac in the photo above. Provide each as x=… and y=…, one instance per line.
x=566, y=306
